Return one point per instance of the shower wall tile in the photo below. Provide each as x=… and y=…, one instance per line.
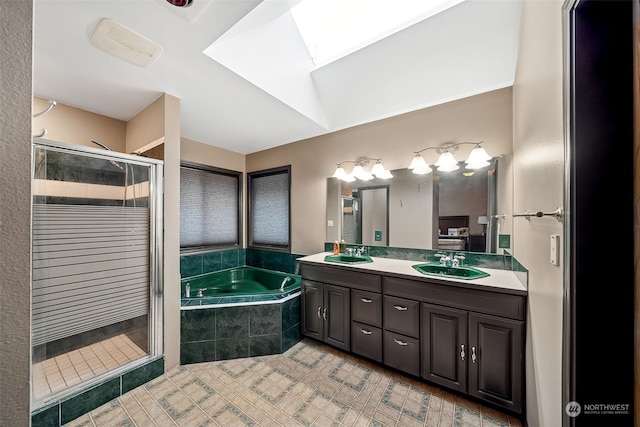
x=46, y=417
x=141, y=375
x=86, y=401
x=68, y=409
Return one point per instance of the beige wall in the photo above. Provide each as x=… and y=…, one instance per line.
x=16, y=23
x=538, y=186
x=72, y=125
x=161, y=119
x=486, y=117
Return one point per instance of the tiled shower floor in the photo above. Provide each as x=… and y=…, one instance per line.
x=64, y=363
x=309, y=385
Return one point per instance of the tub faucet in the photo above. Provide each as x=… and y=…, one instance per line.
x=284, y=283
x=187, y=290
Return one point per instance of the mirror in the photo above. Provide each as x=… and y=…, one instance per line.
x=456, y=210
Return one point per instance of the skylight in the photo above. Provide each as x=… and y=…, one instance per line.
x=332, y=29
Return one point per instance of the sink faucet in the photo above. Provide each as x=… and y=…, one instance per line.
x=361, y=251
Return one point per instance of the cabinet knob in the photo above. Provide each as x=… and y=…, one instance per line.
x=364, y=331
x=400, y=342
x=365, y=300
x=473, y=355
x=319, y=315
x=462, y=353
x=324, y=314
x=400, y=308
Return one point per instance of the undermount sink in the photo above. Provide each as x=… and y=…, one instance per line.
x=348, y=259
x=460, y=272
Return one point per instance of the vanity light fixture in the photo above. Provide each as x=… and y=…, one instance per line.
x=478, y=158
x=358, y=172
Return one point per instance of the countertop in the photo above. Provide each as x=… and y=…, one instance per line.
x=498, y=280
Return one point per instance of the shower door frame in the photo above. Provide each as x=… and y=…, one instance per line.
x=156, y=255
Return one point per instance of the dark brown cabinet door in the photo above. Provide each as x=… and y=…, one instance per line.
x=444, y=346
x=495, y=360
x=337, y=318
x=312, y=306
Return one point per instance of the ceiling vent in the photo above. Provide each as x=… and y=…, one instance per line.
x=124, y=43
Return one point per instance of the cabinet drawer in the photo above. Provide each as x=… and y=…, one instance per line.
x=402, y=353
x=366, y=341
x=342, y=277
x=366, y=307
x=402, y=316
x=481, y=301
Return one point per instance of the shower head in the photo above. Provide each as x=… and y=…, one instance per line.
x=100, y=144
x=108, y=149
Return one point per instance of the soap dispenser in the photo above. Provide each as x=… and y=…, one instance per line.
x=336, y=248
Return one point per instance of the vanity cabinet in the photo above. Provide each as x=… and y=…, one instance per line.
x=466, y=338
x=474, y=353
x=326, y=313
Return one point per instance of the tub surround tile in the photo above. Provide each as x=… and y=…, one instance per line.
x=229, y=259
x=197, y=325
x=211, y=262
x=232, y=348
x=231, y=322
x=264, y=320
x=197, y=352
x=290, y=313
x=265, y=345
x=191, y=265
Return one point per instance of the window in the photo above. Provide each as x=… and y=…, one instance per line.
x=210, y=207
x=269, y=208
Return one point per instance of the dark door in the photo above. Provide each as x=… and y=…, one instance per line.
x=312, y=321
x=444, y=347
x=337, y=319
x=495, y=360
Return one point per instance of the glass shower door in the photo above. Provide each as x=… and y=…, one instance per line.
x=95, y=260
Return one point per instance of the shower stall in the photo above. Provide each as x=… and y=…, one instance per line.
x=96, y=266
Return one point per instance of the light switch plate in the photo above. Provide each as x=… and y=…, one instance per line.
x=555, y=249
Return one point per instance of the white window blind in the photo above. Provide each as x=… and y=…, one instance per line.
x=269, y=208
x=209, y=207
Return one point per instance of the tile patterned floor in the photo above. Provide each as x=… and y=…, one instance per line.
x=310, y=385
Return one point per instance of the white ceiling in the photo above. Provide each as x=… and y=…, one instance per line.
x=244, y=78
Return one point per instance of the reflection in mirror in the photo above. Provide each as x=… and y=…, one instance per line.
x=441, y=210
